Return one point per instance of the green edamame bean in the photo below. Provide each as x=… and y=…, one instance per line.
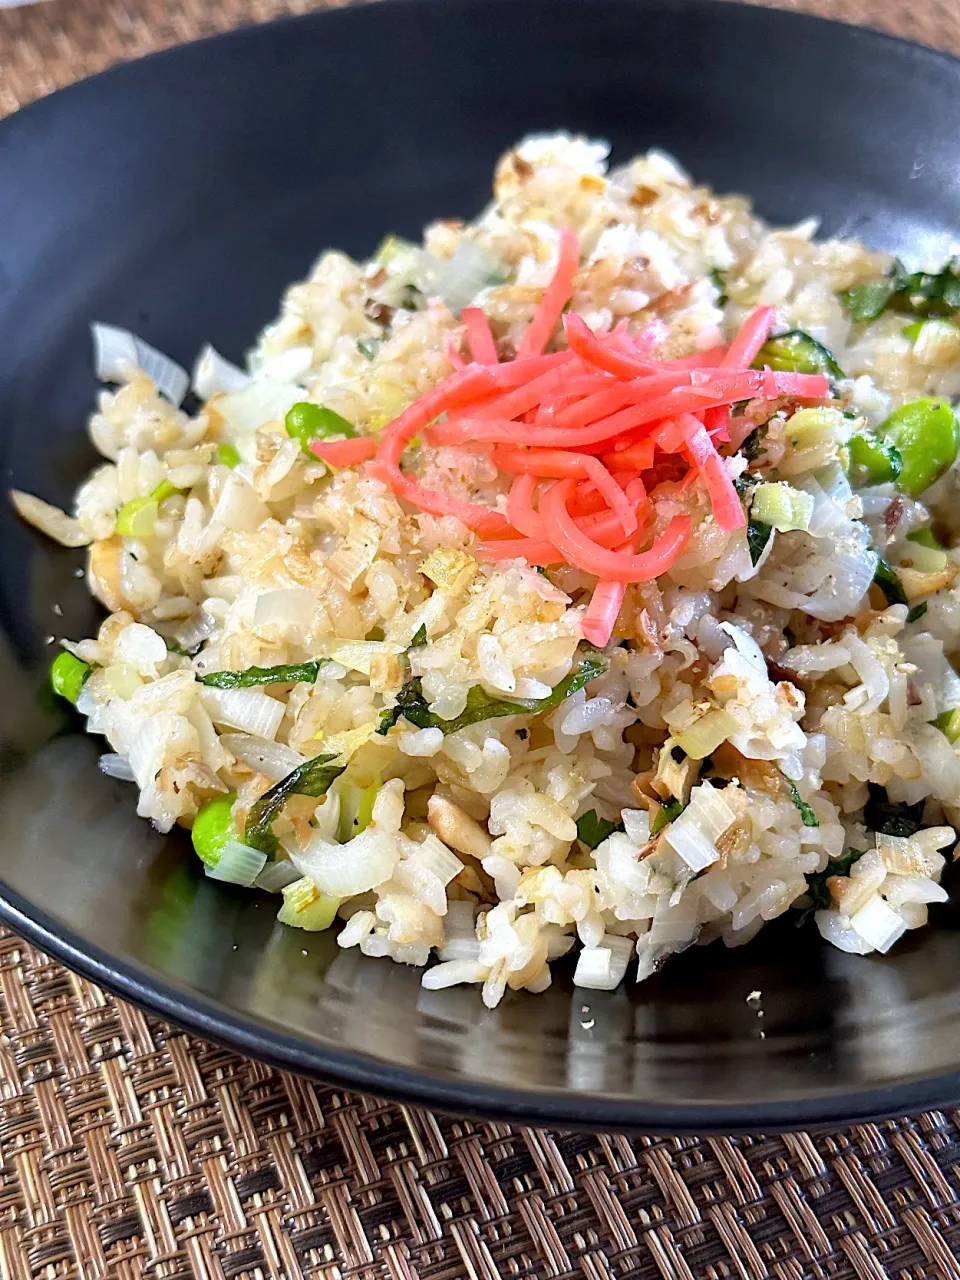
x=307, y=421
x=926, y=434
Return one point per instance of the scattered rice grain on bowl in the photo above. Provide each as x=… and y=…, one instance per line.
x=584, y=579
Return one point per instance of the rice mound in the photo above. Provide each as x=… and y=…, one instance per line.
x=824, y=692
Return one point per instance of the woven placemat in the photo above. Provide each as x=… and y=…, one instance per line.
x=129, y=1149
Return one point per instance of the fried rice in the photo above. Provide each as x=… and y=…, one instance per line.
x=451, y=777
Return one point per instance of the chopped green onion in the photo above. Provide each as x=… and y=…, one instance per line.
x=781, y=507
x=912, y=331
x=164, y=490
x=356, y=809
x=888, y=580
x=705, y=735
x=924, y=559
x=368, y=347
x=719, y=281
x=948, y=722
x=298, y=673
x=237, y=864
x=306, y=421
x=592, y=830
x=917, y=612
x=920, y=293
x=751, y=447
x=137, y=518
x=305, y=907
x=925, y=538
x=227, y=454
x=213, y=829
x=871, y=461
x=67, y=675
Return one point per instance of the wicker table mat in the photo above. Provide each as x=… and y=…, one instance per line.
x=128, y=1148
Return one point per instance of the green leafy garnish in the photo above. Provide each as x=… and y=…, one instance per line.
x=419, y=637
x=888, y=580
x=368, y=346
x=297, y=673
x=592, y=830
x=919, y=293
x=758, y=535
x=312, y=778
x=719, y=281
x=412, y=706
x=818, y=891
x=797, y=352
x=174, y=646
x=751, y=447
x=666, y=814
x=917, y=612
x=806, y=813
x=890, y=819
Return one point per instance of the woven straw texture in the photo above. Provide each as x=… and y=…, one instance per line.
x=128, y=1148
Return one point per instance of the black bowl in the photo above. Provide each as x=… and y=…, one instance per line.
x=177, y=196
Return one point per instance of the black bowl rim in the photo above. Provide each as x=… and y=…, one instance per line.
x=188, y=1009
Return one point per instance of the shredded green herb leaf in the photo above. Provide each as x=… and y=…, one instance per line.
x=758, y=535
x=806, y=813
x=751, y=447
x=917, y=612
x=592, y=830
x=368, y=346
x=312, y=778
x=667, y=814
x=890, y=819
x=412, y=706
x=419, y=637
x=297, y=673
x=920, y=293
x=888, y=580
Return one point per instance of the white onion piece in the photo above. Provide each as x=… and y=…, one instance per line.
x=116, y=766
x=272, y=759
x=118, y=354
x=261, y=400
x=213, y=374
x=878, y=924
x=746, y=646
x=248, y=710
x=833, y=929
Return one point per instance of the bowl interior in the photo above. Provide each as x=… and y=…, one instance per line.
x=177, y=197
